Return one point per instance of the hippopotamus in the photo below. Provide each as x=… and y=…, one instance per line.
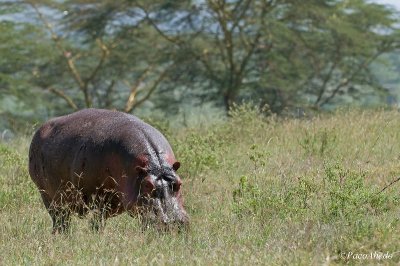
x=106, y=163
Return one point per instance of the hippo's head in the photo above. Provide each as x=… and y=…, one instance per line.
x=160, y=197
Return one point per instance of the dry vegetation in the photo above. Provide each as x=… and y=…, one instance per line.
x=261, y=190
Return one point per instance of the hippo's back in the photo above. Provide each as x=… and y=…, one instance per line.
x=101, y=126
x=84, y=139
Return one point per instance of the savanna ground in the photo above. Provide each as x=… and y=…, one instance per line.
x=259, y=189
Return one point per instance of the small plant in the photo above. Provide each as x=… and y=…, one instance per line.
x=246, y=198
x=246, y=112
x=14, y=178
x=258, y=157
x=341, y=194
x=246, y=119
x=318, y=143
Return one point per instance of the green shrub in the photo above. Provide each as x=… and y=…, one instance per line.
x=340, y=195
x=199, y=152
x=348, y=196
x=246, y=198
x=9, y=157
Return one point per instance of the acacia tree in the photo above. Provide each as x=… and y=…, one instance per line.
x=98, y=66
x=285, y=52
x=340, y=44
x=19, y=56
x=222, y=38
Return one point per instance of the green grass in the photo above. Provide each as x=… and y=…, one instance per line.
x=261, y=190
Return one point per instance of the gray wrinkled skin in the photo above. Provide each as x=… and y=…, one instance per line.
x=162, y=208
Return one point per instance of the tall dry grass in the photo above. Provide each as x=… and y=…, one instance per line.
x=259, y=189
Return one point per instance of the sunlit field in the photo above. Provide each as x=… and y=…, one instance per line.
x=259, y=190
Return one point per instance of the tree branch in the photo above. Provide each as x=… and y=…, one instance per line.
x=153, y=87
x=134, y=89
x=254, y=43
x=104, y=53
x=350, y=78
x=325, y=82
x=242, y=14
x=155, y=26
x=109, y=90
x=67, y=56
x=68, y=99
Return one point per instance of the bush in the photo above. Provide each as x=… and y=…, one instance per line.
x=348, y=196
x=342, y=194
x=199, y=152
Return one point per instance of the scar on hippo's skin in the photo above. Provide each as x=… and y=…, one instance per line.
x=46, y=130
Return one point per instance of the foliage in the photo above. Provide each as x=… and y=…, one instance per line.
x=247, y=198
x=349, y=195
x=342, y=194
x=169, y=56
x=200, y=151
x=20, y=57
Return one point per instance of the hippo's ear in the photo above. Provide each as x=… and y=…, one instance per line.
x=176, y=166
x=141, y=170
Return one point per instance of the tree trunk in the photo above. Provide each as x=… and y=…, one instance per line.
x=229, y=99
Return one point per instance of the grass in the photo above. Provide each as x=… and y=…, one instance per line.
x=262, y=190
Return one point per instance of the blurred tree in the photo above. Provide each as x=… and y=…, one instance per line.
x=172, y=54
x=103, y=60
x=339, y=44
x=19, y=57
x=286, y=53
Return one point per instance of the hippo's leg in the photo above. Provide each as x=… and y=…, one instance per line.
x=59, y=210
x=61, y=219
x=104, y=206
x=100, y=207
x=46, y=199
x=60, y=215
x=98, y=221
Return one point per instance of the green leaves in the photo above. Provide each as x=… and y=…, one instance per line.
x=154, y=55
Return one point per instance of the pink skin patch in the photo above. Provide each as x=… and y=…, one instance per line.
x=170, y=158
x=46, y=130
x=141, y=160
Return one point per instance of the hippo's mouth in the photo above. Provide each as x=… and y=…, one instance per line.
x=164, y=214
